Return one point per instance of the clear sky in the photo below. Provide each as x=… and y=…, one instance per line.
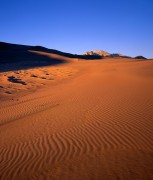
x=77, y=26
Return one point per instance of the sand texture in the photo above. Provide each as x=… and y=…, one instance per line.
x=78, y=120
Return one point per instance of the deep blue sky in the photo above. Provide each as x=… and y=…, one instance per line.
x=77, y=26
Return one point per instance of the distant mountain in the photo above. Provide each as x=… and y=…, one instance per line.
x=140, y=57
x=97, y=53
x=102, y=53
x=117, y=55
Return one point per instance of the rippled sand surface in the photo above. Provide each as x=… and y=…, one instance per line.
x=78, y=120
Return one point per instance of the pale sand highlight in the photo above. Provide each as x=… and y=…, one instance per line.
x=93, y=120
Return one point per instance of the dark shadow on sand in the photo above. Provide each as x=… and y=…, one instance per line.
x=16, y=80
x=15, y=57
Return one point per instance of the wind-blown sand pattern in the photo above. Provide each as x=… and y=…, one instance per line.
x=82, y=120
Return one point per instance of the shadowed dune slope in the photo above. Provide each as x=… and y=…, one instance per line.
x=18, y=57
x=96, y=124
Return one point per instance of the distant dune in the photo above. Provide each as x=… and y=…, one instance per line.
x=14, y=52
x=63, y=117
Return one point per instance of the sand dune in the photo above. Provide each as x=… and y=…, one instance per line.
x=92, y=121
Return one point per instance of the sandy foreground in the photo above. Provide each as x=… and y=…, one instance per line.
x=79, y=120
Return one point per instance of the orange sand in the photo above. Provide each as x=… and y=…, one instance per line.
x=79, y=120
